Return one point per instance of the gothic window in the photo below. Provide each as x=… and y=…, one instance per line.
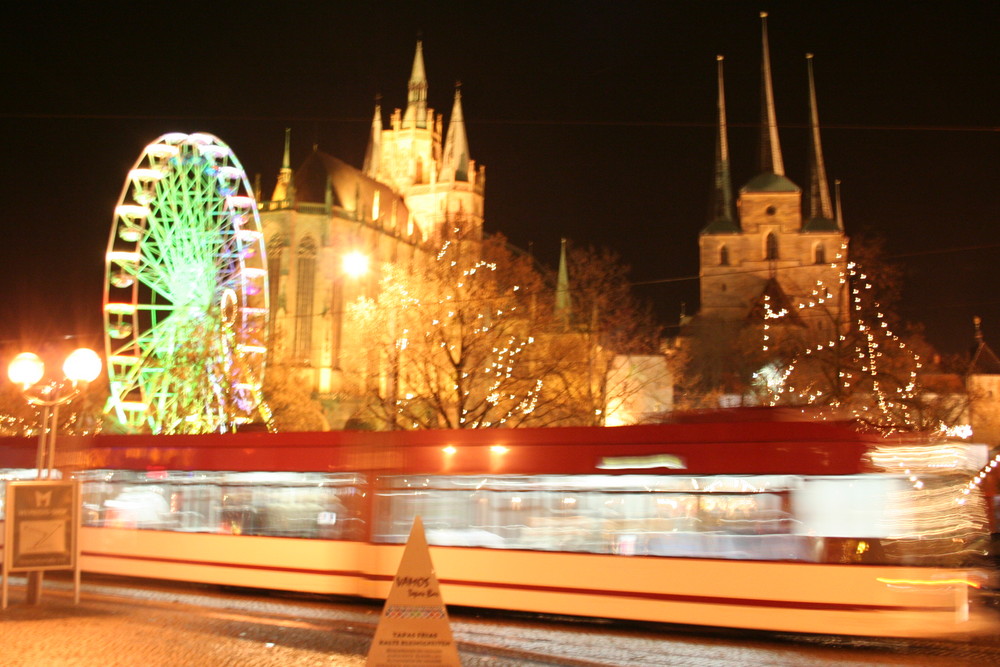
x=274, y=248
x=820, y=254
x=305, y=285
x=724, y=256
x=771, y=250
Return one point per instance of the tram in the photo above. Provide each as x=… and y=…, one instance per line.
x=737, y=519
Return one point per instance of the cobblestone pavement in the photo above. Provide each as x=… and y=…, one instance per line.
x=154, y=624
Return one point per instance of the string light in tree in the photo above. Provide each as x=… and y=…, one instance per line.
x=892, y=403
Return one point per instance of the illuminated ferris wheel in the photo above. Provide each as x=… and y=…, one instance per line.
x=185, y=297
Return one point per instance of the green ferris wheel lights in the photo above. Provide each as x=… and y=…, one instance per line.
x=185, y=300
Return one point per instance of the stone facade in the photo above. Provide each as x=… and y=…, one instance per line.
x=392, y=210
x=772, y=240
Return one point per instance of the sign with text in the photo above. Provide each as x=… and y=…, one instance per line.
x=414, y=630
x=42, y=517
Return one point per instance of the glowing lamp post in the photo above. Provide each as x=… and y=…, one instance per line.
x=28, y=370
x=355, y=264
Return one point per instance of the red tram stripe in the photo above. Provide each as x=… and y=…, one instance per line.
x=241, y=566
x=637, y=595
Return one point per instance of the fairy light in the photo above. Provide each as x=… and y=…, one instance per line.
x=457, y=348
x=874, y=340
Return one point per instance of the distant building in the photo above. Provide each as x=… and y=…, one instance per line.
x=772, y=248
x=411, y=188
x=982, y=383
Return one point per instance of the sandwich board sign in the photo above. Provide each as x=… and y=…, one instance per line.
x=41, y=529
x=414, y=629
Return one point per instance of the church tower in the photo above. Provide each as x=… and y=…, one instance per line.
x=768, y=249
x=442, y=186
x=410, y=189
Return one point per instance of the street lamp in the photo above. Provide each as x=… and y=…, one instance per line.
x=28, y=370
x=355, y=264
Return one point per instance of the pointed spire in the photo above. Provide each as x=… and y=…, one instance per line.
x=720, y=217
x=840, y=208
x=770, y=148
x=564, y=304
x=984, y=360
x=416, y=105
x=819, y=190
x=455, y=160
x=373, y=155
x=286, y=160
x=283, y=188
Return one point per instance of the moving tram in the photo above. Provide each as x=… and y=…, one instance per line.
x=736, y=519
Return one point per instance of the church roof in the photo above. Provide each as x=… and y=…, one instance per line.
x=984, y=361
x=769, y=182
x=821, y=225
x=348, y=186
x=721, y=226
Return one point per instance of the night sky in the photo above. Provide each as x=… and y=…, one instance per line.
x=595, y=122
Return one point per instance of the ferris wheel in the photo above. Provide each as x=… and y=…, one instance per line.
x=185, y=297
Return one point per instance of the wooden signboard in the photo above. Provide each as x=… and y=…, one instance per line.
x=414, y=630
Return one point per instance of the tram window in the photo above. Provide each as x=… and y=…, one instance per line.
x=282, y=504
x=719, y=517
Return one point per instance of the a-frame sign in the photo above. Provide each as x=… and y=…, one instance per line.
x=414, y=629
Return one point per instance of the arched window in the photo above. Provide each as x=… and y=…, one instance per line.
x=771, y=250
x=305, y=286
x=820, y=254
x=724, y=256
x=274, y=249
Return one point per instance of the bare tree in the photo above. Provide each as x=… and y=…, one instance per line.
x=291, y=404
x=603, y=346
x=449, y=338
x=860, y=364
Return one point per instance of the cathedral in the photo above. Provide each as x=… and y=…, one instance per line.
x=329, y=227
x=772, y=252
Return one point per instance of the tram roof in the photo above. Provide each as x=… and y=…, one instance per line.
x=722, y=442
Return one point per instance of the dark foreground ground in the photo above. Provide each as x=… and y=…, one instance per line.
x=121, y=622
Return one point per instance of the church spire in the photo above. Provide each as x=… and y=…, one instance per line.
x=720, y=217
x=770, y=148
x=839, y=213
x=455, y=160
x=820, y=206
x=564, y=304
x=416, y=105
x=283, y=188
x=373, y=155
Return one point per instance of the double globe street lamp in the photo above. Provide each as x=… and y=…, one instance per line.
x=27, y=369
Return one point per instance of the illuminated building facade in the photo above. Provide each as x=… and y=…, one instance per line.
x=411, y=188
x=772, y=251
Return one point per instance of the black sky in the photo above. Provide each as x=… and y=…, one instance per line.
x=594, y=120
